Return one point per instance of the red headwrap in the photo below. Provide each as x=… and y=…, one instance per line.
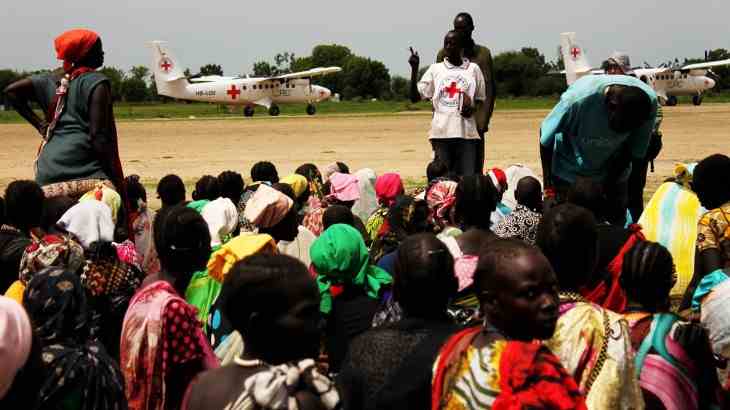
x=499, y=179
x=387, y=187
x=73, y=45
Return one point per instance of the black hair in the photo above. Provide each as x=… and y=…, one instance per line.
x=182, y=240
x=588, y=193
x=171, y=190
x=309, y=171
x=208, y=188
x=424, y=280
x=135, y=191
x=436, y=169
x=231, y=185
x=259, y=283
x=466, y=16
x=344, y=169
x=2, y=211
x=337, y=214
x=495, y=257
x=285, y=189
x=24, y=204
x=648, y=275
x=529, y=193
x=94, y=58
x=53, y=210
x=476, y=199
x=568, y=237
x=408, y=216
x=264, y=171
x=711, y=181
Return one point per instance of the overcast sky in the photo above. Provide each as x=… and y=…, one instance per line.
x=237, y=33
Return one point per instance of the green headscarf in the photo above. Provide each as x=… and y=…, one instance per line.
x=198, y=206
x=340, y=256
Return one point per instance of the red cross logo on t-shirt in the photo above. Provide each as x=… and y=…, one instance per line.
x=233, y=92
x=452, y=89
x=165, y=65
x=575, y=52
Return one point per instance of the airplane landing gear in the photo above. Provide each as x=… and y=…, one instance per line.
x=248, y=111
x=274, y=110
x=697, y=100
x=671, y=101
x=311, y=109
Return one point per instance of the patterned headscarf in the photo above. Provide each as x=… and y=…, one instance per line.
x=387, y=188
x=58, y=251
x=344, y=187
x=340, y=256
x=74, y=362
x=16, y=339
x=267, y=207
x=441, y=197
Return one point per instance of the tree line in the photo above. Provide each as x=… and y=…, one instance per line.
x=518, y=73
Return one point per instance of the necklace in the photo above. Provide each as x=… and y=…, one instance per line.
x=571, y=297
x=248, y=363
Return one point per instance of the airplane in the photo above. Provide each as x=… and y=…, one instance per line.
x=246, y=91
x=668, y=81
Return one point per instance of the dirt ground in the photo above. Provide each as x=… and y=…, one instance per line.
x=191, y=148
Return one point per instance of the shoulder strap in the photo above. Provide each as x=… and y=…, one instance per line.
x=656, y=340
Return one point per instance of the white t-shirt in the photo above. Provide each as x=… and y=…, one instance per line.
x=445, y=84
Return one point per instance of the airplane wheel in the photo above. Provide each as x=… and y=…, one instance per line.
x=311, y=109
x=697, y=100
x=274, y=110
x=248, y=111
x=672, y=101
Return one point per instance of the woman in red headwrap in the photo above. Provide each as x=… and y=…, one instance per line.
x=78, y=150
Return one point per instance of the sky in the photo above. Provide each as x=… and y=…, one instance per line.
x=237, y=34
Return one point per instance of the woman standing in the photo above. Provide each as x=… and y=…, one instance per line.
x=79, y=148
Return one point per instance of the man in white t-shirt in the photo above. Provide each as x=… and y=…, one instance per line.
x=452, y=86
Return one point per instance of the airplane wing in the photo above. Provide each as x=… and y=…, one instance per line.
x=209, y=78
x=315, y=72
x=709, y=64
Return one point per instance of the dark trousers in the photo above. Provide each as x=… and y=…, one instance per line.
x=637, y=183
x=479, y=160
x=458, y=154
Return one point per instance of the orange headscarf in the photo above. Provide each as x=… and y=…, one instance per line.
x=73, y=45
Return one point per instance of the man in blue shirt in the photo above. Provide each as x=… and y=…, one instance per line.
x=600, y=126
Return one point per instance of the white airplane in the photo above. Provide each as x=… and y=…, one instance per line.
x=247, y=91
x=668, y=82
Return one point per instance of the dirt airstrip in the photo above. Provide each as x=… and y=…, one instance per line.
x=191, y=148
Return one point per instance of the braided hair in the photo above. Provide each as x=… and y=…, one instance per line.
x=264, y=171
x=648, y=275
x=135, y=191
x=231, y=185
x=424, y=280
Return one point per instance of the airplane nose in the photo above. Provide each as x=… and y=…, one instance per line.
x=709, y=83
x=324, y=93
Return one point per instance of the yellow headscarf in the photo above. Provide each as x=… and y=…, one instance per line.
x=297, y=182
x=106, y=195
x=236, y=249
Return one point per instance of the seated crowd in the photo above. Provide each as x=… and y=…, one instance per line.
x=337, y=290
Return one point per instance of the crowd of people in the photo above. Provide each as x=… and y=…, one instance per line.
x=331, y=289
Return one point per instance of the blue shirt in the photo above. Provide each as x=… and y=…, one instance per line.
x=577, y=129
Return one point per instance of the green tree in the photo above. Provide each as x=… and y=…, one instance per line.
x=116, y=78
x=399, y=88
x=139, y=72
x=327, y=56
x=211, y=69
x=134, y=90
x=365, y=78
x=517, y=72
x=263, y=69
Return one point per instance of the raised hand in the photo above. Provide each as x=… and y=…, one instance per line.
x=414, y=60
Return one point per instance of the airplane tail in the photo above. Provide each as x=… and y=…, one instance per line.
x=576, y=62
x=169, y=77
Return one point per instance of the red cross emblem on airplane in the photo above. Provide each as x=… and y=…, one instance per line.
x=166, y=65
x=575, y=52
x=233, y=92
x=452, y=89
